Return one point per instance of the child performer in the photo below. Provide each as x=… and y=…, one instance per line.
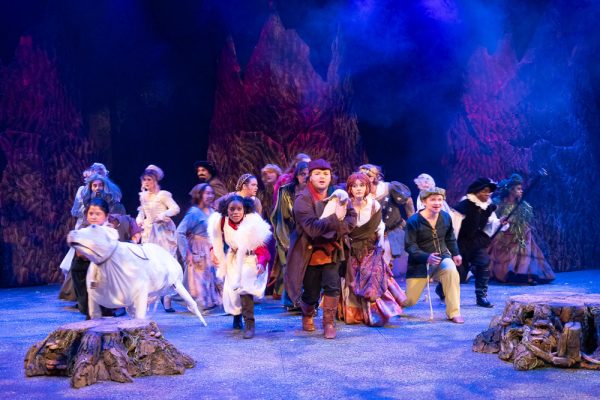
x=237, y=226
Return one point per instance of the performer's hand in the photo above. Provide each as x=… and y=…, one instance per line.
x=340, y=210
x=136, y=238
x=434, y=259
x=260, y=269
x=213, y=258
x=457, y=260
x=188, y=259
x=503, y=220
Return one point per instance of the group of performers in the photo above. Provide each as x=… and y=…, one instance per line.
x=320, y=245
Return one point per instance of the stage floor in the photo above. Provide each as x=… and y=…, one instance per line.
x=411, y=358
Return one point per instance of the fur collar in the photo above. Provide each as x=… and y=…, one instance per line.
x=251, y=233
x=471, y=197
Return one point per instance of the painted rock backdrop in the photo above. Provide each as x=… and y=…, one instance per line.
x=496, y=90
x=530, y=111
x=278, y=106
x=40, y=137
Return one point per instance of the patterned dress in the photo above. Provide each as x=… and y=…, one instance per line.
x=199, y=275
x=370, y=295
x=515, y=256
x=155, y=212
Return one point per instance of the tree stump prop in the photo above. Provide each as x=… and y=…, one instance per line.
x=105, y=349
x=560, y=329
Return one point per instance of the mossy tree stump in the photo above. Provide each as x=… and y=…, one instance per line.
x=559, y=329
x=105, y=349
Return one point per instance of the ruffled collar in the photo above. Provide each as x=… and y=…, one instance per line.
x=471, y=197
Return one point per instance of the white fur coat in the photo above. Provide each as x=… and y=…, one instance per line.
x=237, y=268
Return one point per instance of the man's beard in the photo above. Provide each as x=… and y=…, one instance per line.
x=203, y=179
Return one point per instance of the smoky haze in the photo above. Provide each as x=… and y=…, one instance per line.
x=152, y=67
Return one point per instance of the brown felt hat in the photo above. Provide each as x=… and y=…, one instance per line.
x=318, y=164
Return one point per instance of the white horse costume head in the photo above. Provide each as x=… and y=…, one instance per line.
x=126, y=274
x=96, y=242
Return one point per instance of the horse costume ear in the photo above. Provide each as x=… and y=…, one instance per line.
x=111, y=233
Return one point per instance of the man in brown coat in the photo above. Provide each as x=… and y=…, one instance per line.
x=316, y=249
x=207, y=173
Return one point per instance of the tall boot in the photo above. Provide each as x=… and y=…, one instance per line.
x=248, y=313
x=482, y=278
x=330, y=305
x=308, y=314
x=237, y=322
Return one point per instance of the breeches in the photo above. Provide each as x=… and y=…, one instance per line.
x=479, y=261
x=319, y=277
x=448, y=276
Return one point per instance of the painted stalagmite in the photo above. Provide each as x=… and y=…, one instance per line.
x=520, y=114
x=40, y=138
x=280, y=106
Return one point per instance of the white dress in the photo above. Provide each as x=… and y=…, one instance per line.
x=155, y=212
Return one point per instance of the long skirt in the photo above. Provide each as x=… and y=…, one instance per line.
x=67, y=292
x=516, y=262
x=356, y=309
x=163, y=234
x=277, y=272
x=200, y=277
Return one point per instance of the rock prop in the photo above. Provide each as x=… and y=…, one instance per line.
x=548, y=329
x=105, y=350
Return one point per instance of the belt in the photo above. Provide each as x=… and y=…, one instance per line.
x=248, y=252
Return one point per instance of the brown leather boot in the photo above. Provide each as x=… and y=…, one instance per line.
x=308, y=313
x=248, y=313
x=330, y=305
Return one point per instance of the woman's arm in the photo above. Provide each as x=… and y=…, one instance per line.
x=172, y=208
x=182, y=231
